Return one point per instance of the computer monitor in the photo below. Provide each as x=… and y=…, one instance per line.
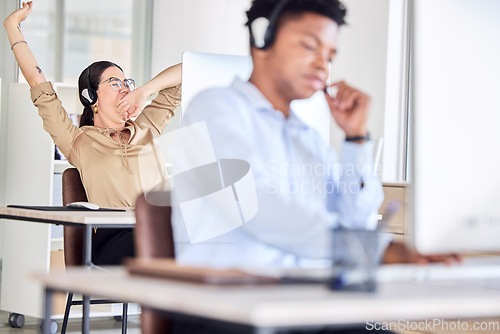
x=204, y=70
x=455, y=117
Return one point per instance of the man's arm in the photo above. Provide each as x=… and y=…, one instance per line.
x=398, y=252
x=360, y=192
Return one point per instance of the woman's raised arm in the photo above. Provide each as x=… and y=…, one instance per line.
x=169, y=77
x=24, y=57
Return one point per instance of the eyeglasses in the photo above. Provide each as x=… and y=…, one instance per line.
x=117, y=84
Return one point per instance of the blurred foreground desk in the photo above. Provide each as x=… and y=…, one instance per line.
x=15, y=297
x=265, y=309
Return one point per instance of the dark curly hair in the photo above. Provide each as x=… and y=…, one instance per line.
x=332, y=9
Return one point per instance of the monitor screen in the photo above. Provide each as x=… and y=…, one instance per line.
x=455, y=119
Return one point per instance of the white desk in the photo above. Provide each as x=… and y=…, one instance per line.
x=83, y=219
x=270, y=307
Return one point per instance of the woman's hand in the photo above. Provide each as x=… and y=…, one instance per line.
x=19, y=15
x=132, y=104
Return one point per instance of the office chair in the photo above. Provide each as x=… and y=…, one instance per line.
x=73, y=191
x=153, y=238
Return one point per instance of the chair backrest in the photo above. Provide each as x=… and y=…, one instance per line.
x=153, y=234
x=73, y=191
x=153, y=238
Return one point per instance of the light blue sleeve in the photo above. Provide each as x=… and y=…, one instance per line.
x=359, y=193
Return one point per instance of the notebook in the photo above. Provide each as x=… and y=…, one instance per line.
x=169, y=269
x=60, y=208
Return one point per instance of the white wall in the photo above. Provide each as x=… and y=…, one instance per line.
x=362, y=57
x=215, y=26
x=371, y=57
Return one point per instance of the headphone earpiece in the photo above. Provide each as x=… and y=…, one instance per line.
x=263, y=30
x=259, y=28
x=89, y=94
x=86, y=96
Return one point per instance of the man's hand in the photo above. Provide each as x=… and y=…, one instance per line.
x=398, y=252
x=349, y=108
x=132, y=104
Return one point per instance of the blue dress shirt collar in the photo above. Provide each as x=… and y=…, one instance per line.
x=259, y=102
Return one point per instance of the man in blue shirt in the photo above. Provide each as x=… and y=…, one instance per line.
x=303, y=189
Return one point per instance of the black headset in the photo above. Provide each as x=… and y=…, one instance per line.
x=89, y=94
x=263, y=30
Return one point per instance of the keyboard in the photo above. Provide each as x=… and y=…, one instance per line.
x=472, y=268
